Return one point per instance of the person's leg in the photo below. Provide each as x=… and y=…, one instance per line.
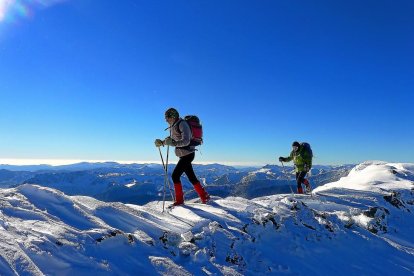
x=188, y=168
x=307, y=184
x=189, y=171
x=299, y=179
x=178, y=188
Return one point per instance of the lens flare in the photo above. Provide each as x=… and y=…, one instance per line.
x=4, y=7
x=13, y=10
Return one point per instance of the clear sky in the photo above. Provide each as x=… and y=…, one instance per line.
x=91, y=79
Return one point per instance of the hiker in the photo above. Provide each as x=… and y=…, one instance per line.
x=180, y=139
x=301, y=155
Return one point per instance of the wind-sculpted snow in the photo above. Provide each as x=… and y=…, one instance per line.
x=359, y=225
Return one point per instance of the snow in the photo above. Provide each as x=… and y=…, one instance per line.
x=359, y=225
x=132, y=184
x=374, y=175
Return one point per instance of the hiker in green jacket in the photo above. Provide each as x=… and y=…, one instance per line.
x=301, y=155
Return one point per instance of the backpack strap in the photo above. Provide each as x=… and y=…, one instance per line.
x=177, y=125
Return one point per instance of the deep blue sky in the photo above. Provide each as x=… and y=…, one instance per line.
x=91, y=79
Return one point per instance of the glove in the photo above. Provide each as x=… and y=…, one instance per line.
x=158, y=143
x=169, y=141
x=281, y=159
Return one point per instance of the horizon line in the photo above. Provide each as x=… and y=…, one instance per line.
x=62, y=162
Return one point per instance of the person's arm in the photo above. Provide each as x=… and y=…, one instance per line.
x=286, y=159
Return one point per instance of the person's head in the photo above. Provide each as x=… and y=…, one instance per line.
x=295, y=146
x=171, y=115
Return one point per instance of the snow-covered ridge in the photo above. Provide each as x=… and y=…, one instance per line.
x=376, y=175
x=360, y=225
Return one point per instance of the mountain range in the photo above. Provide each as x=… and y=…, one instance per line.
x=143, y=183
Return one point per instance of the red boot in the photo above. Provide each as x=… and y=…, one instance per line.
x=307, y=185
x=300, y=190
x=179, y=196
x=204, y=196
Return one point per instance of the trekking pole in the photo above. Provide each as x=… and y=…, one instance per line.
x=288, y=177
x=165, y=183
x=166, y=172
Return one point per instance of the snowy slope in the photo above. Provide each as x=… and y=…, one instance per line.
x=359, y=225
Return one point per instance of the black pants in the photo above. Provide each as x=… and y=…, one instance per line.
x=184, y=166
x=300, y=177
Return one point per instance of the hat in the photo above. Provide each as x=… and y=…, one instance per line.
x=171, y=113
x=295, y=144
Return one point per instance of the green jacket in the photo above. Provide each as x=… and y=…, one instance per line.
x=301, y=158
